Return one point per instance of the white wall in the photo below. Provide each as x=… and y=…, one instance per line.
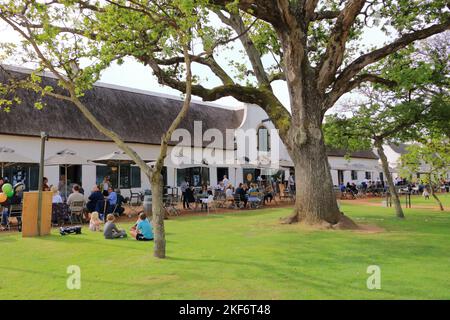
x=253, y=117
x=361, y=165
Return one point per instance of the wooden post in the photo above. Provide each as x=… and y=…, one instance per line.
x=44, y=137
x=30, y=225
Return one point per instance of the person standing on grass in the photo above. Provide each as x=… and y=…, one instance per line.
x=111, y=231
x=184, y=187
x=142, y=231
x=225, y=182
x=291, y=182
x=106, y=183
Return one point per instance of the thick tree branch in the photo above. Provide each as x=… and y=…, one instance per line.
x=260, y=96
x=334, y=95
x=261, y=9
x=324, y=15
x=235, y=22
x=208, y=61
x=334, y=53
x=181, y=115
x=367, y=59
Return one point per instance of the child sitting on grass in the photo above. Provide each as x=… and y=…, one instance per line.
x=110, y=230
x=94, y=223
x=142, y=230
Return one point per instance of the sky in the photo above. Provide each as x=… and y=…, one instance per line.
x=132, y=74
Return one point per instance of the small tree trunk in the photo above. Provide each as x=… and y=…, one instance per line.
x=158, y=214
x=433, y=194
x=390, y=181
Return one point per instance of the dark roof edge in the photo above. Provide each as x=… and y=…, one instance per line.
x=126, y=89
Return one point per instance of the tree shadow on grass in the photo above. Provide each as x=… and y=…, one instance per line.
x=326, y=285
x=63, y=275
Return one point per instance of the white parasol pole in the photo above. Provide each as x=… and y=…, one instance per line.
x=118, y=182
x=65, y=172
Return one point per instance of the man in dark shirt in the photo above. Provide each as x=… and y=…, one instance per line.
x=242, y=194
x=95, y=197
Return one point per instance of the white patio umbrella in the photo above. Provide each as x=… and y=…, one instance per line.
x=117, y=158
x=9, y=156
x=66, y=158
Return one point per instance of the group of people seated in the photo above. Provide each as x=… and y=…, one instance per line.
x=366, y=186
x=142, y=230
x=108, y=201
x=103, y=202
x=5, y=206
x=253, y=193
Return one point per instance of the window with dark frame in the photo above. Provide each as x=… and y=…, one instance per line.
x=263, y=141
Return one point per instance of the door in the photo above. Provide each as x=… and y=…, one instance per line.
x=222, y=172
x=340, y=177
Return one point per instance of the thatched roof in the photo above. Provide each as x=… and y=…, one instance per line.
x=136, y=116
x=400, y=148
x=364, y=154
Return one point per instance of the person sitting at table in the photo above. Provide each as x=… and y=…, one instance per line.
x=142, y=230
x=110, y=230
x=112, y=197
x=251, y=194
x=45, y=186
x=242, y=194
x=120, y=200
x=103, y=206
x=220, y=186
x=56, y=196
x=207, y=200
x=201, y=195
x=75, y=196
x=229, y=196
x=268, y=195
x=95, y=197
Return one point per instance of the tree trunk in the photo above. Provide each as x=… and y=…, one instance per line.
x=390, y=181
x=158, y=214
x=433, y=194
x=315, y=200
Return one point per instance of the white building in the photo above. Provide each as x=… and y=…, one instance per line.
x=140, y=118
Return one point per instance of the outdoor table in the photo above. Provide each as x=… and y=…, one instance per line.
x=199, y=199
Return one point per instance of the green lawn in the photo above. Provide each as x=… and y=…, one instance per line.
x=240, y=256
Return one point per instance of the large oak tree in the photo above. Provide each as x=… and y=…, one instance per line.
x=314, y=46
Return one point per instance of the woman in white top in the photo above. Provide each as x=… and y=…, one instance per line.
x=56, y=197
x=229, y=196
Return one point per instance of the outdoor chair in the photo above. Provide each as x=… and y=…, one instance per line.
x=210, y=203
x=254, y=198
x=238, y=204
x=15, y=211
x=60, y=214
x=135, y=198
x=285, y=193
x=220, y=199
x=76, y=210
